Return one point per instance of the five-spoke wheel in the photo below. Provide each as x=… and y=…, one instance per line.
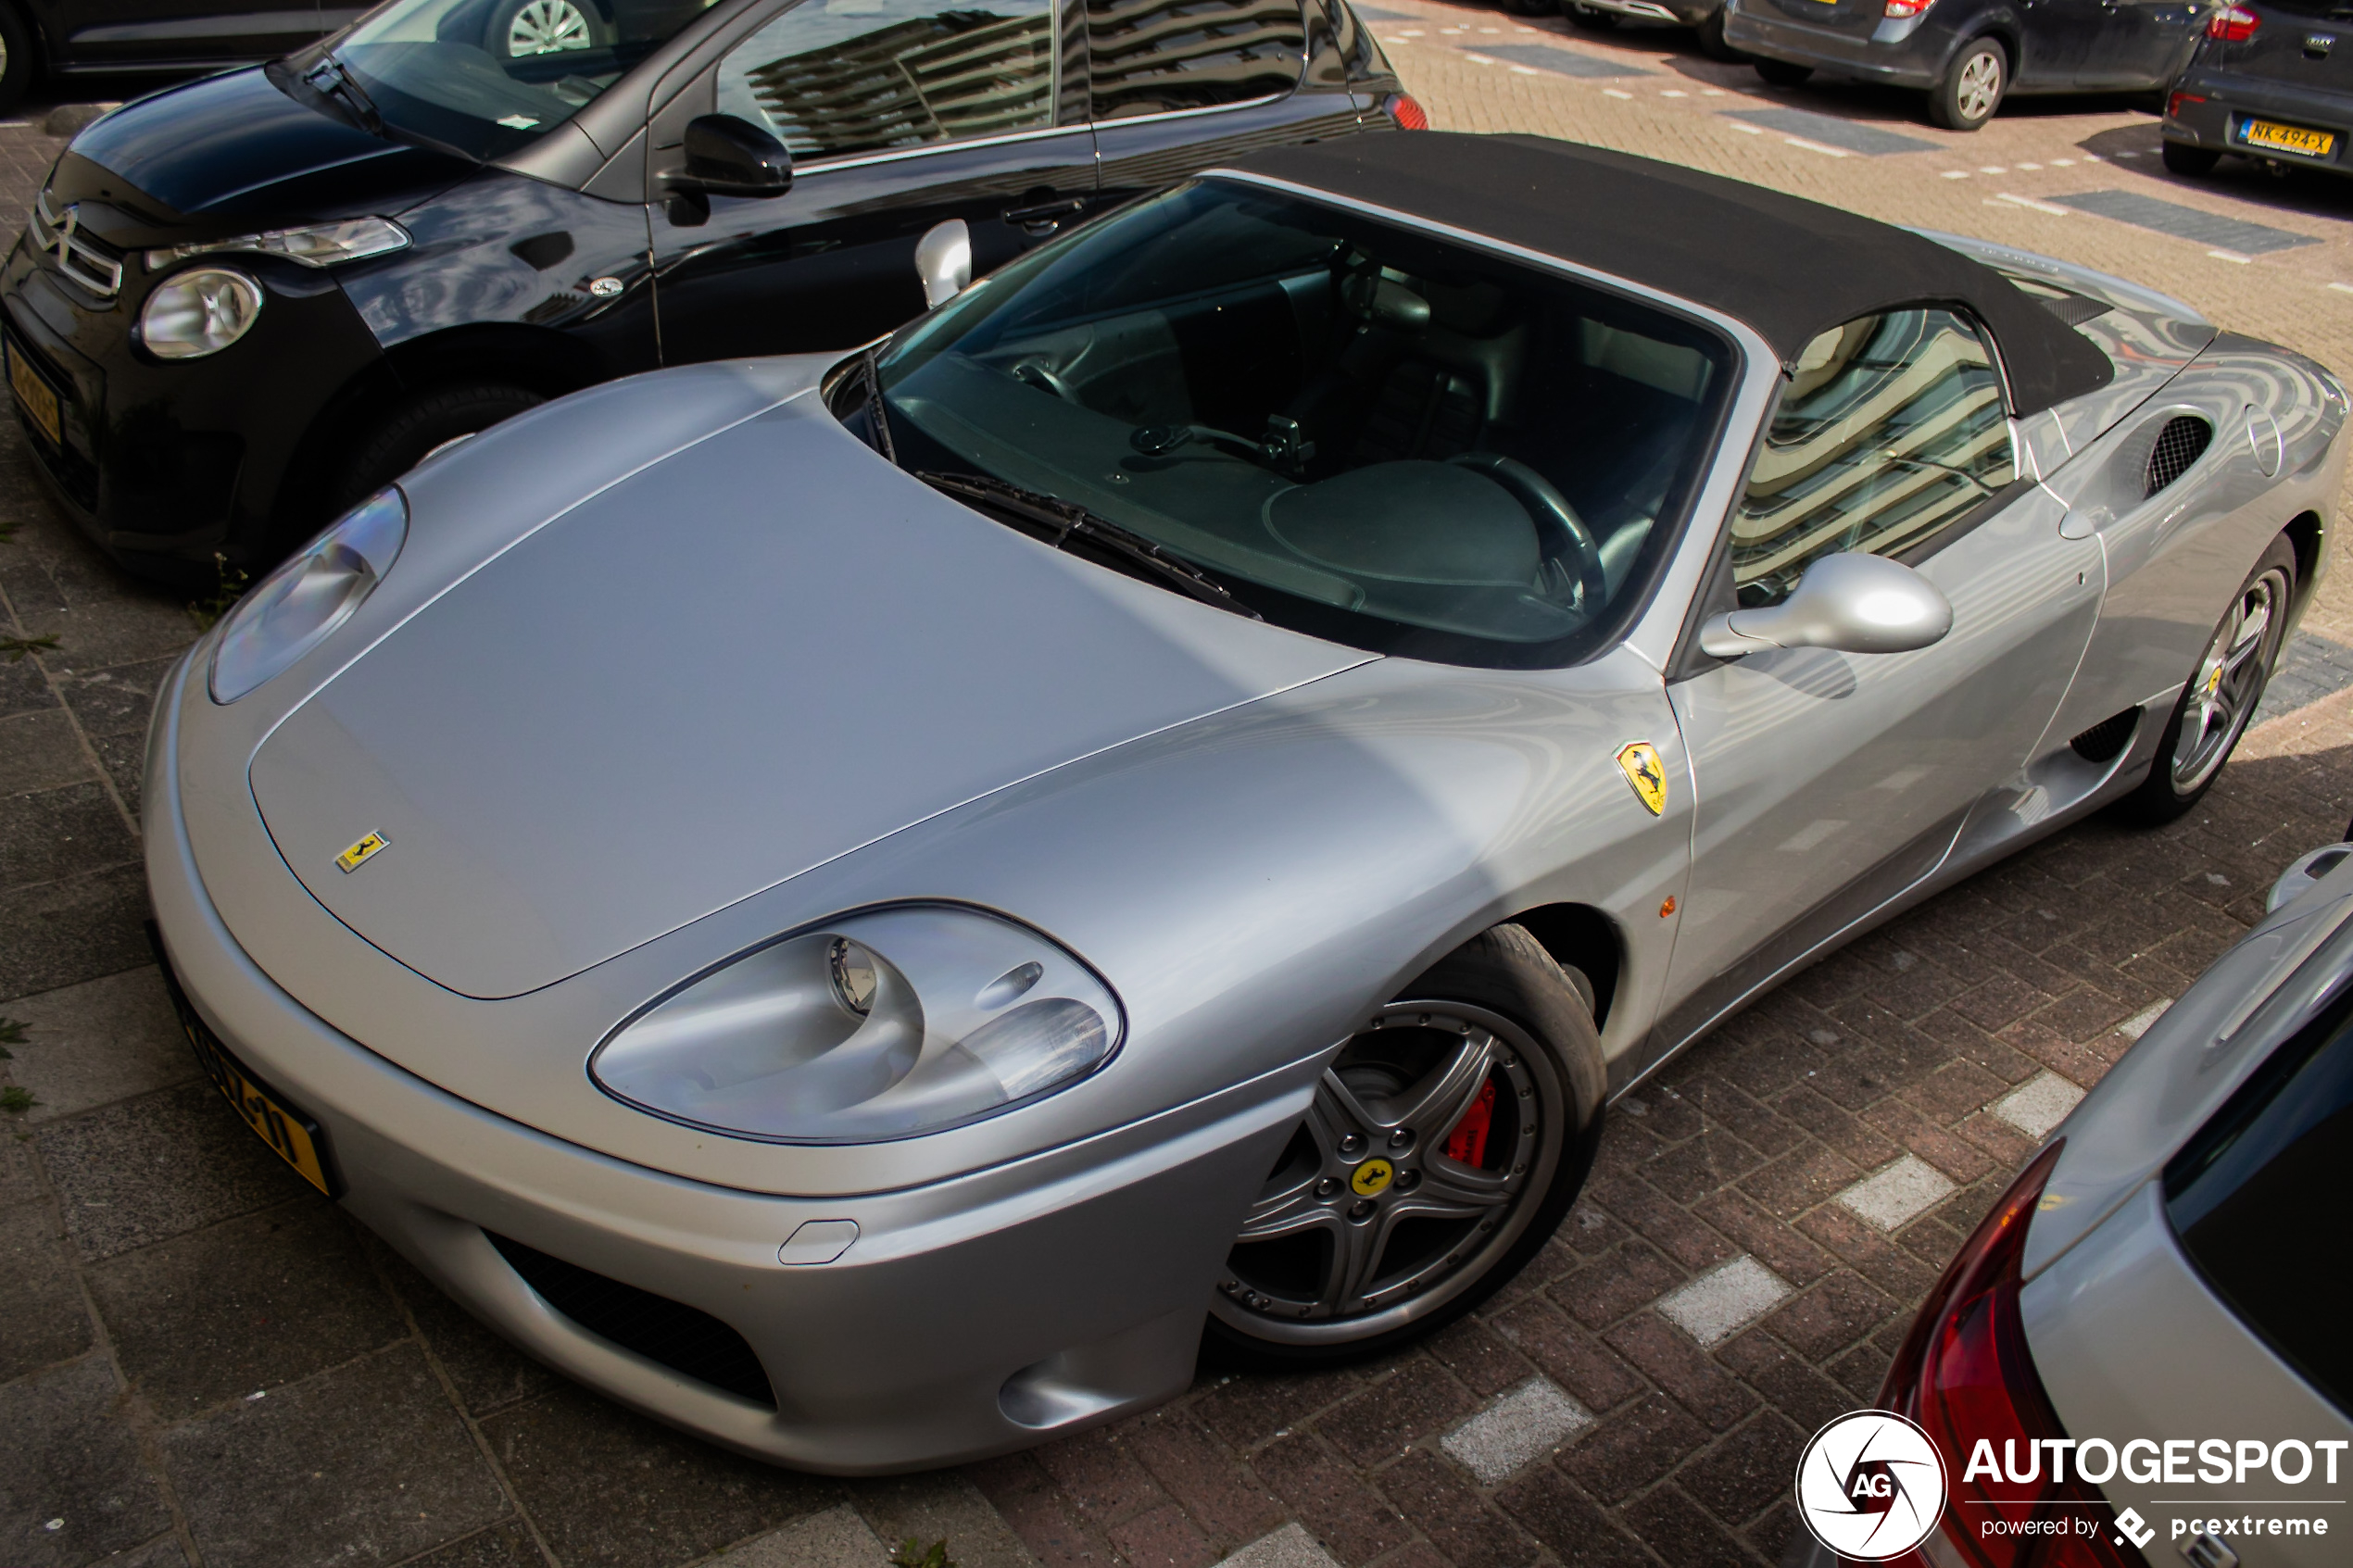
x=1443, y=1144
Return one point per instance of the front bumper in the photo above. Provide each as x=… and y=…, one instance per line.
x=970, y=1316
x=2211, y=108
x=163, y=465
x=1903, y=53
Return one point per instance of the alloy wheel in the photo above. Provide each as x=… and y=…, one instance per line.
x=2228, y=685
x=546, y=27
x=1423, y=1155
x=1980, y=87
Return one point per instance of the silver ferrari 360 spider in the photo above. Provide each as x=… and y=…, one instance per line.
x=868, y=906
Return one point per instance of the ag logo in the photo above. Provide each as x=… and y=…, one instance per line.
x=1870, y=1485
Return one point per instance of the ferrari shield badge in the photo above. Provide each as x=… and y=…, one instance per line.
x=361, y=853
x=1371, y=1176
x=1645, y=772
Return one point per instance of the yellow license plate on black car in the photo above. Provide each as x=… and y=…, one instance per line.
x=293, y=1137
x=35, y=397
x=2275, y=137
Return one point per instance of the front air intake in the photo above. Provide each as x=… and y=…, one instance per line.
x=687, y=1340
x=2178, y=445
x=2105, y=739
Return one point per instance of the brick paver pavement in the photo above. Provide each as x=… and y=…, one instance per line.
x=200, y=1363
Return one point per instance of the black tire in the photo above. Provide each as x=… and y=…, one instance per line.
x=1972, y=88
x=1509, y=1036
x=1782, y=73
x=1530, y=7
x=2183, y=158
x=400, y=438
x=19, y=60
x=1710, y=33
x=2180, y=775
x=525, y=29
x=1591, y=18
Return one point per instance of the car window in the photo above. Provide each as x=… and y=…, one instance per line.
x=488, y=77
x=1148, y=56
x=833, y=77
x=2259, y=1196
x=1891, y=428
x=1379, y=437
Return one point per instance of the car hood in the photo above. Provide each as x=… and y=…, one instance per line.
x=736, y=664
x=235, y=151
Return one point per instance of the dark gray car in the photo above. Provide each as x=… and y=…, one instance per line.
x=1969, y=55
x=2272, y=79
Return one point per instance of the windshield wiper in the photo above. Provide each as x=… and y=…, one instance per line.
x=1057, y=522
x=332, y=79
x=877, y=416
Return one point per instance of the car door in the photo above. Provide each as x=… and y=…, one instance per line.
x=140, y=32
x=1828, y=783
x=1180, y=85
x=899, y=113
x=2142, y=43
x=2059, y=39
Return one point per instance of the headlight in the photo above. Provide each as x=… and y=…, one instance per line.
x=321, y=244
x=879, y=1025
x=201, y=311
x=297, y=606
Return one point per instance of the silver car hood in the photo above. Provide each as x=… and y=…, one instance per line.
x=737, y=664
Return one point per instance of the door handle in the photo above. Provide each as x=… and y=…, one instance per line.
x=1045, y=215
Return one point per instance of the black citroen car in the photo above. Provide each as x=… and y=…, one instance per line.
x=2271, y=80
x=245, y=302
x=1969, y=55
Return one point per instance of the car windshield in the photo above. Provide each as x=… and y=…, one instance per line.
x=488, y=77
x=1376, y=436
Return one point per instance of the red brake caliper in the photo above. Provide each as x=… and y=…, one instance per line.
x=1466, y=1144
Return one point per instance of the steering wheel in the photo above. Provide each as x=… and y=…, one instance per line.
x=1034, y=371
x=1561, y=534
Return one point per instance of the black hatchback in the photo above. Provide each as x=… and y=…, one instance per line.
x=2271, y=80
x=245, y=302
x=1969, y=55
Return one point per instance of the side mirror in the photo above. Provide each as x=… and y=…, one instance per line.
x=1851, y=603
x=944, y=261
x=729, y=157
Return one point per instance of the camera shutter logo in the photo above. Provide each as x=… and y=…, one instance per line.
x=1870, y=1485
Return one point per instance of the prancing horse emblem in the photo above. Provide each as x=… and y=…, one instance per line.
x=1645, y=772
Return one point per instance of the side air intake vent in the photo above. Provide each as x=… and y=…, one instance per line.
x=2105, y=739
x=2178, y=445
x=687, y=1340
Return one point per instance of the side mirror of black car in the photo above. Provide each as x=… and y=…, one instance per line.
x=729, y=157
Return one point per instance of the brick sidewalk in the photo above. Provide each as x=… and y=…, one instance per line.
x=202, y=1363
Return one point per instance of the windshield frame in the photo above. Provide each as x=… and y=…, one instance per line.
x=1752, y=376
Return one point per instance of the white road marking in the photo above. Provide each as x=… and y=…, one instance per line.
x=1526, y=70
x=2342, y=288
x=2039, y=206
x=1957, y=174
x=2231, y=255
x=1724, y=1300
x=1531, y=1419
x=2029, y=166
x=1815, y=146
x=1477, y=59
x=1902, y=1192
x=1674, y=92
x=1613, y=93
x=1994, y=169
x=1746, y=128
x=2062, y=163
x=2039, y=1104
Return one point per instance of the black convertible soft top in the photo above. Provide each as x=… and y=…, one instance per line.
x=1791, y=269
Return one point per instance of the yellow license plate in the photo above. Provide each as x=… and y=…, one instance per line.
x=2289, y=138
x=293, y=1137
x=40, y=404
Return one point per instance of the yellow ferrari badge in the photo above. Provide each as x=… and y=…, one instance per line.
x=1645, y=772
x=358, y=854
x=1371, y=1176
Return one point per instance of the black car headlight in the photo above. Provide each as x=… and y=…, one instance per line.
x=883, y=1025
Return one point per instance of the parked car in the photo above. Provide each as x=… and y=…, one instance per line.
x=79, y=37
x=2152, y=1280
x=1162, y=799
x=2272, y=79
x=246, y=302
x=1705, y=18
x=1969, y=55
